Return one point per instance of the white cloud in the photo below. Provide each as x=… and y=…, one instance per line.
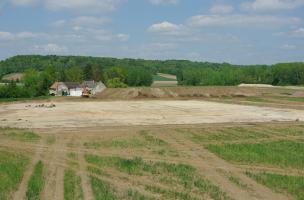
x=24, y=2
x=288, y=47
x=297, y=33
x=58, y=24
x=221, y=9
x=50, y=48
x=271, y=5
x=164, y=2
x=252, y=21
x=83, y=6
x=167, y=28
x=122, y=37
x=89, y=21
x=6, y=36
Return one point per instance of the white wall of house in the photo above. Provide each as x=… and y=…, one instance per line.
x=77, y=92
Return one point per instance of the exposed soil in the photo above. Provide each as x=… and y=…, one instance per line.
x=121, y=113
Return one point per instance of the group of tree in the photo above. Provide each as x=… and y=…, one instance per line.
x=42, y=71
x=228, y=75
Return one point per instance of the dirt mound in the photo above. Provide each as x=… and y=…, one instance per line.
x=299, y=94
x=196, y=92
x=185, y=92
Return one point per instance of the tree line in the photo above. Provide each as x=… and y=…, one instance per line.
x=42, y=71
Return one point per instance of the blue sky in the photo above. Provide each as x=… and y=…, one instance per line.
x=239, y=31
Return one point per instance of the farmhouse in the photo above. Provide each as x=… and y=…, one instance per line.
x=66, y=89
x=75, y=89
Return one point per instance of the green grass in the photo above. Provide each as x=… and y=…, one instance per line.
x=123, y=144
x=134, y=195
x=102, y=190
x=20, y=134
x=12, y=167
x=98, y=171
x=236, y=180
x=144, y=139
x=170, y=194
x=161, y=78
x=50, y=140
x=36, y=183
x=172, y=174
x=72, y=186
x=292, y=185
x=258, y=100
x=227, y=134
x=284, y=154
x=4, y=100
x=296, y=99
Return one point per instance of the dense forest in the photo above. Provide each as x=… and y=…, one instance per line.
x=41, y=71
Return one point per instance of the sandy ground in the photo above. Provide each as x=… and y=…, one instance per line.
x=151, y=112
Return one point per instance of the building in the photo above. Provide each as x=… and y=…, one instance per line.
x=66, y=89
x=75, y=89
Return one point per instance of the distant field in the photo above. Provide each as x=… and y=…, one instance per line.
x=164, y=77
x=13, y=77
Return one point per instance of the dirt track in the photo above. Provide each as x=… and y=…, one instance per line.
x=153, y=112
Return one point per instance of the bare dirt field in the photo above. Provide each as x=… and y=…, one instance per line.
x=198, y=144
x=149, y=112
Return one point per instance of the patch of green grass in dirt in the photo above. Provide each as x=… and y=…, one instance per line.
x=178, y=174
x=36, y=183
x=72, y=160
x=166, y=152
x=12, y=167
x=20, y=134
x=135, y=195
x=294, y=99
x=227, y=134
x=284, y=154
x=237, y=181
x=4, y=100
x=144, y=139
x=98, y=171
x=50, y=140
x=292, y=185
x=170, y=194
x=258, y=100
x=72, y=186
x=102, y=190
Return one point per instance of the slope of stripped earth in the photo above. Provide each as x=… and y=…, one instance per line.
x=149, y=112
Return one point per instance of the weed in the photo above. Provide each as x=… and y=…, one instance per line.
x=293, y=185
x=36, y=183
x=98, y=171
x=279, y=153
x=12, y=167
x=102, y=190
x=134, y=195
x=72, y=186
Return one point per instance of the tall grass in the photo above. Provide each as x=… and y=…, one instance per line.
x=12, y=167
x=282, y=154
x=293, y=185
x=20, y=134
x=72, y=186
x=102, y=190
x=36, y=183
x=183, y=175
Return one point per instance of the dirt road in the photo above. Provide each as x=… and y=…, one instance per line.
x=148, y=112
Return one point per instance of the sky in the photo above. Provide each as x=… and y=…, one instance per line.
x=233, y=31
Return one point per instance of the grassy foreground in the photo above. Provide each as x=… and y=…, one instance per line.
x=283, y=154
x=292, y=185
x=36, y=183
x=12, y=167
